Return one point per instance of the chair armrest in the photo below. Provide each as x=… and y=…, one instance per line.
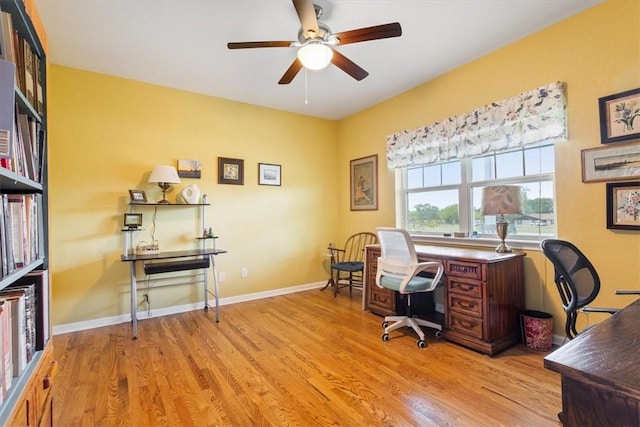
x=419, y=268
x=599, y=310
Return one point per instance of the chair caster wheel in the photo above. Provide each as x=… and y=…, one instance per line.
x=385, y=324
x=385, y=337
x=421, y=344
x=438, y=334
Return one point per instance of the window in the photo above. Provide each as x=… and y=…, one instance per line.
x=445, y=197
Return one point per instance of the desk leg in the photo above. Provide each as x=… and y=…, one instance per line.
x=215, y=285
x=134, y=299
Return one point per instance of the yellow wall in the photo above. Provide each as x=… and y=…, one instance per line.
x=596, y=53
x=107, y=133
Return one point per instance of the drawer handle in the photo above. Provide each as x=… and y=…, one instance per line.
x=467, y=305
x=467, y=325
x=47, y=381
x=465, y=287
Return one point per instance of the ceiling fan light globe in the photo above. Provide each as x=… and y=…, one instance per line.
x=315, y=56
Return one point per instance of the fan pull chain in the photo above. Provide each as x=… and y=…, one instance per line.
x=306, y=99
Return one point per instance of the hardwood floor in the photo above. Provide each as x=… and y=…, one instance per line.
x=300, y=359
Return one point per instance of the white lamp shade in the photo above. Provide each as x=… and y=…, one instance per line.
x=501, y=200
x=165, y=174
x=315, y=55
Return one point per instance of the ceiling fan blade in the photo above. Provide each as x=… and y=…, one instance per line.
x=291, y=72
x=348, y=66
x=376, y=32
x=307, y=15
x=249, y=45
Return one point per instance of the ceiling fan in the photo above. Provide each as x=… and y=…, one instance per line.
x=316, y=41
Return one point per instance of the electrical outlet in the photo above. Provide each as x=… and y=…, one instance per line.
x=244, y=272
x=221, y=276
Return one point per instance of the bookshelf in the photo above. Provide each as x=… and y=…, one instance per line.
x=27, y=397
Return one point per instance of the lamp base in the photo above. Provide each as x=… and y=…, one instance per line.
x=502, y=229
x=163, y=202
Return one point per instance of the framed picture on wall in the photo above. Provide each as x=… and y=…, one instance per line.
x=617, y=162
x=623, y=205
x=189, y=168
x=364, y=183
x=138, y=196
x=620, y=116
x=230, y=171
x=269, y=174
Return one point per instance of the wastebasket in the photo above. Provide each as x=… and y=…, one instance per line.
x=537, y=329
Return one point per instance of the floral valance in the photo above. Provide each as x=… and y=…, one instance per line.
x=533, y=116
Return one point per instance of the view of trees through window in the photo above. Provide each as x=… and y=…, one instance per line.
x=446, y=197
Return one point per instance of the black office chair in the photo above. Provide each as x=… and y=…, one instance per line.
x=577, y=281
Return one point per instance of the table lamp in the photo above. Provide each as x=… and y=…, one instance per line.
x=164, y=176
x=502, y=200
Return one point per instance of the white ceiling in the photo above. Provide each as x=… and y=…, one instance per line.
x=182, y=44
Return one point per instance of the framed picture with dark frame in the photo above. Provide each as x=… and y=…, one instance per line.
x=620, y=116
x=623, y=205
x=138, y=196
x=132, y=220
x=364, y=183
x=230, y=171
x=269, y=174
x=616, y=162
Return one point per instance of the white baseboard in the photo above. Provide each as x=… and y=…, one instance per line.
x=143, y=314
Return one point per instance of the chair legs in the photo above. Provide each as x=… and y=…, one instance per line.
x=411, y=322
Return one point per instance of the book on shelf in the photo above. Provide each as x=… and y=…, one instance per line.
x=18, y=331
x=18, y=231
x=6, y=372
x=6, y=354
x=6, y=38
x=5, y=227
x=37, y=78
x=7, y=107
x=29, y=293
x=40, y=280
x=27, y=60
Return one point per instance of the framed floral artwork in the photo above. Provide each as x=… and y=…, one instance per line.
x=230, y=171
x=364, y=183
x=620, y=116
x=623, y=205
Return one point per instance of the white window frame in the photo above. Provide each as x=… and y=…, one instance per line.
x=465, y=189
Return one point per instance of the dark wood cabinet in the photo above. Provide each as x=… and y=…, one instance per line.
x=483, y=295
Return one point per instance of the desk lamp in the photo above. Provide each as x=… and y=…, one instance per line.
x=164, y=176
x=502, y=200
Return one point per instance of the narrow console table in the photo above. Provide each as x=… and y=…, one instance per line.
x=483, y=294
x=600, y=372
x=165, y=262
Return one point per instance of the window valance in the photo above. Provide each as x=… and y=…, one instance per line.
x=533, y=116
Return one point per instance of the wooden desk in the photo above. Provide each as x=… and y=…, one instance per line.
x=133, y=259
x=484, y=294
x=600, y=372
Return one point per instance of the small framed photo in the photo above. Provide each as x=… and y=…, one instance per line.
x=138, y=196
x=132, y=220
x=620, y=116
x=189, y=168
x=364, y=183
x=269, y=174
x=617, y=162
x=230, y=171
x=623, y=205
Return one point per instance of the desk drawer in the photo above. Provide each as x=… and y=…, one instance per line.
x=465, y=305
x=464, y=324
x=382, y=301
x=466, y=288
x=471, y=270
